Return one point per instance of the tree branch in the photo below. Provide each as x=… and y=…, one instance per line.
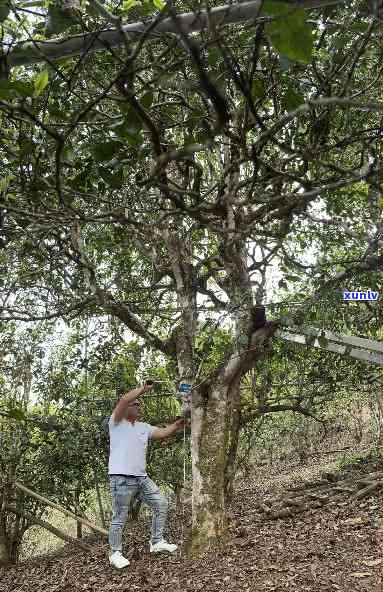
x=27, y=53
x=59, y=533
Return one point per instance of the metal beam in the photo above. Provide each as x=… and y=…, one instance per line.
x=360, y=354
x=362, y=342
x=36, y=51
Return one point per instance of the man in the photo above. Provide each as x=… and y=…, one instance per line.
x=127, y=473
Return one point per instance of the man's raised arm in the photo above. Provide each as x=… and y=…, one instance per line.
x=127, y=398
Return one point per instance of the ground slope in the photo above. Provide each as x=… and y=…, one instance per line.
x=336, y=547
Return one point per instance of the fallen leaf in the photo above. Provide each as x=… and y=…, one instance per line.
x=361, y=574
x=373, y=562
x=357, y=520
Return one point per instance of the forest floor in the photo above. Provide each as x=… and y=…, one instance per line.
x=335, y=547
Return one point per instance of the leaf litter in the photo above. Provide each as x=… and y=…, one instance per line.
x=324, y=549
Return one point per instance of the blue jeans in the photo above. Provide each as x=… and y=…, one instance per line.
x=123, y=489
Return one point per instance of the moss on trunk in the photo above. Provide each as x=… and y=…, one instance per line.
x=210, y=436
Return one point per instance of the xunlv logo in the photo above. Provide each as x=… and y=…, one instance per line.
x=369, y=295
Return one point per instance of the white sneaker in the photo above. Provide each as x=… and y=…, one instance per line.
x=118, y=560
x=162, y=546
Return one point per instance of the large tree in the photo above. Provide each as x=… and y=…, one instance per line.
x=171, y=168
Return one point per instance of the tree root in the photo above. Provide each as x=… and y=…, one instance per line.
x=299, y=501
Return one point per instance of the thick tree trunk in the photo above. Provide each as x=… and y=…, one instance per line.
x=230, y=468
x=4, y=551
x=14, y=551
x=209, y=445
x=213, y=413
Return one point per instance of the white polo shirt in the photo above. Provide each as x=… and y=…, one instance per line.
x=128, y=444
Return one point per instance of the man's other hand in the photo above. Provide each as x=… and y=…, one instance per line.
x=180, y=423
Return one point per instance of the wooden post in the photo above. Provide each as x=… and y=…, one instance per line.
x=61, y=509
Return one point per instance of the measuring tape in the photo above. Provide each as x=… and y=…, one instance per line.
x=185, y=389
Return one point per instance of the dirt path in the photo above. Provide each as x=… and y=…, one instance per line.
x=337, y=547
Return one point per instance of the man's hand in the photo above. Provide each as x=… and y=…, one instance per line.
x=161, y=433
x=179, y=424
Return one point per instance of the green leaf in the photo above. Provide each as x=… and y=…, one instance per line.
x=25, y=89
x=289, y=33
x=171, y=110
x=120, y=130
x=257, y=89
x=129, y=130
x=5, y=90
x=128, y=4
x=41, y=82
x=132, y=123
x=4, y=10
x=26, y=147
x=189, y=140
x=213, y=56
x=5, y=181
x=359, y=27
x=147, y=100
x=114, y=180
x=147, y=8
x=15, y=412
x=55, y=111
x=291, y=99
x=167, y=80
x=292, y=278
x=80, y=181
x=135, y=139
x=159, y=4
x=105, y=151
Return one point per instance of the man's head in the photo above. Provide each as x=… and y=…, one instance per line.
x=132, y=410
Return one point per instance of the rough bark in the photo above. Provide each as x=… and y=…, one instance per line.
x=4, y=551
x=209, y=448
x=230, y=466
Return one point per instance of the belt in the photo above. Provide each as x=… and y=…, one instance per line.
x=118, y=475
